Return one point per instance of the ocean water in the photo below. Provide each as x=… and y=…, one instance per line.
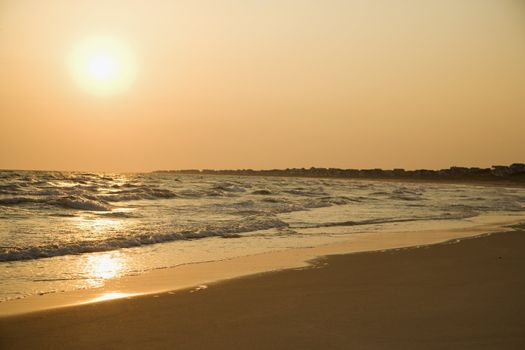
x=64, y=230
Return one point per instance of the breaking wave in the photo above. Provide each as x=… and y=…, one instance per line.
x=46, y=214
x=226, y=230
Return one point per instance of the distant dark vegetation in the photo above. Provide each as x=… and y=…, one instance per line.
x=497, y=173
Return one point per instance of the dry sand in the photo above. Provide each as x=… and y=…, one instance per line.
x=468, y=295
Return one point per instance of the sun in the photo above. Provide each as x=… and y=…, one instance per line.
x=102, y=66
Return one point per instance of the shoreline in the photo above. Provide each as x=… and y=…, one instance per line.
x=504, y=182
x=193, y=275
x=467, y=295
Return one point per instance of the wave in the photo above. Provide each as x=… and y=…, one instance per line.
x=195, y=207
x=138, y=194
x=262, y=192
x=307, y=192
x=229, y=230
x=446, y=216
x=406, y=197
x=229, y=187
x=82, y=198
x=80, y=203
x=118, y=214
x=18, y=200
x=68, y=202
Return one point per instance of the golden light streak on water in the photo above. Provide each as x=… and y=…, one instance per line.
x=110, y=296
x=104, y=266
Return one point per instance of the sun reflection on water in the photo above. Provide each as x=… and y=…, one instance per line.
x=98, y=226
x=104, y=266
x=111, y=296
x=97, y=267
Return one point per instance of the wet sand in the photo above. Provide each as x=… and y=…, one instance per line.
x=467, y=295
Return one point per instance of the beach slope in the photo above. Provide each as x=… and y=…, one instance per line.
x=466, y=295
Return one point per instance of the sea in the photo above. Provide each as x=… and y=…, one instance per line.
x=63, y=231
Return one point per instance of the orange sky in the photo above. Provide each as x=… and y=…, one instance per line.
x=267, y=84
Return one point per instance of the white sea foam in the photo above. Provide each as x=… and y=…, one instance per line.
x=46, y=214
x=229, y=230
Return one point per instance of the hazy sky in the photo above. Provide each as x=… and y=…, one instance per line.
x=266, y=83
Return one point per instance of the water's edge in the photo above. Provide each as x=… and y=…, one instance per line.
x=196, y=276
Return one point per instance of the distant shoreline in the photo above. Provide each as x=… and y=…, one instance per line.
x=513, y=175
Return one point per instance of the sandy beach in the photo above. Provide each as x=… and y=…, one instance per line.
x=467, y=295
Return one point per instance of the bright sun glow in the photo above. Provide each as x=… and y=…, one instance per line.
x=111, y=296
x=102, y=66
x=104, y=266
